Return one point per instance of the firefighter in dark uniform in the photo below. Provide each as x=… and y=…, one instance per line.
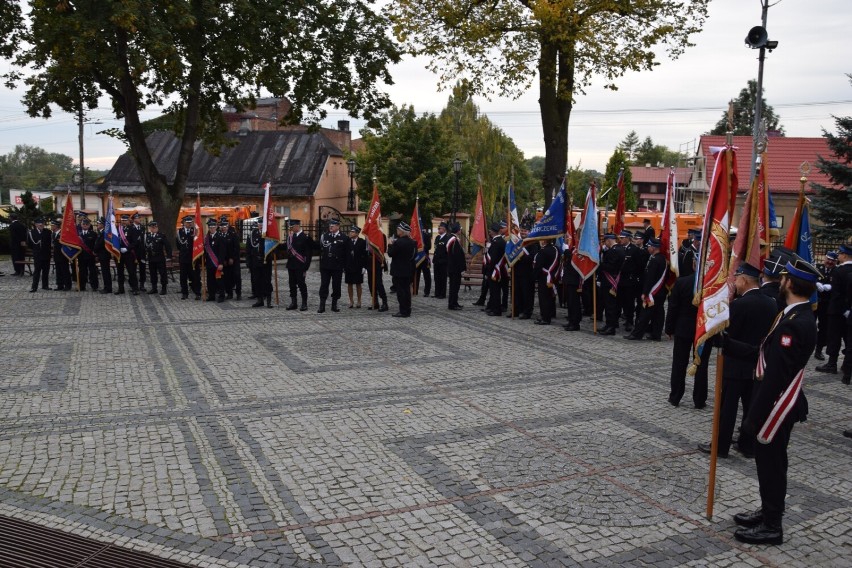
x=680, y=326
x=573, y=290
x=402, y=251
x=18, y=243
x=103, y=255
x=61, y=267
x=40, y=241
x=839, y=316
x=190, y=272
x=440, y=260
x=752, y=314
x=494, y=271
x=524, y=278
x=87, y=261
x=772, y=268
x=652, y=317
x=157, y=250
x=254, y=260
x=456, y=265
x=545, y=267
x=640, y=261
x=139, y=264
x=127, y=261
x=647, y=232
x=687, y=252
x=823, y=297
x=213, y=250
x=332, y=259
x=375, y=270
x=299, y=246
x=425, y=267
x=612, y=258
x=771, y=416
x=356, y=260
x=227, y=238
x=626, y=289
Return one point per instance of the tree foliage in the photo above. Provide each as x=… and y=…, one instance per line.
x=744, y=114
x=655, y=154
x=34, y=169
x=578, y=181
x=832, y=205
x=617, y=162
x=504, y=46
x=194, y=57
x=630, y=145
x=413, y=157
x=491, y=153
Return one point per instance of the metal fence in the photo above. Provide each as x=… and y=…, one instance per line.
x=819, y=247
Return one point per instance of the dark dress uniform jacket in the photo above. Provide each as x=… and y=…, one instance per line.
x=786, y=351
x=495, y=255
x=41, y=243
x=681, y=315
x=751, y=317
x=456, y=260
x=773, y=290
x=184, y=241
x=841, y=290
x=333, y=251
x=402, y=253
x=356, y=255
x=440, y=255
x=611, y=262
x=157, y=247
x=301, y=243
x=654, y=270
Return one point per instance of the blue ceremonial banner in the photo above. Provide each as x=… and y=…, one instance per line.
x=112, y=240
x=514, y=246
x=773, y=220
x=552, y=223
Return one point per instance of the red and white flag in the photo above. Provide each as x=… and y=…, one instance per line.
x=668, y=233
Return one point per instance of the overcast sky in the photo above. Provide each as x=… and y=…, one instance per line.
x=674, y=104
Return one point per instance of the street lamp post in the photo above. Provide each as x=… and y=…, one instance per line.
x=350, y=205
x=457, y=166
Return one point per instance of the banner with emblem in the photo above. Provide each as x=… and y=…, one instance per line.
x=198, y=242
x=372, y=230
x=668, y=233
x=798, y=237
x=69, y=238
x=552, y=223
x=621, y=205
x=514, y=247
x=478, y=236
x=112, y=239
x=271, y=229
x=417, y=234
x=711, y=287
x=587, y=255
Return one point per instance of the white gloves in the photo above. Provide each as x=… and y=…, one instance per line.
x=122, y=250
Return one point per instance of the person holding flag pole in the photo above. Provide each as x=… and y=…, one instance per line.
x=271, y=239
x=586, y=257
x=69, y=239
x=547, y=230
x=376, y=247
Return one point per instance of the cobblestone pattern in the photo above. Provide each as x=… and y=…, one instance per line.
x=220, y=435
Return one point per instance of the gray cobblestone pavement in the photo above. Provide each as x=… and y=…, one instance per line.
x=220, y=435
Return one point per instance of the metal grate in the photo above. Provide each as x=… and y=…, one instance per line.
x=28, y=545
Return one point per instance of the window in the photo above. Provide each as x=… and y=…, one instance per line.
x=281, y=210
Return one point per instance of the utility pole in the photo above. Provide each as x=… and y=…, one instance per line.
x=82, y=166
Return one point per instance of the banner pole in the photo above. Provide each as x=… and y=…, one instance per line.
x=373, y=281
x=203, y=278
x=595, y=303
x=275, y=271
x=512, y=284
x=714, y=437
x=77, y=272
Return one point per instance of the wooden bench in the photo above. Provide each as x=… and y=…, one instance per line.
x=473, y=275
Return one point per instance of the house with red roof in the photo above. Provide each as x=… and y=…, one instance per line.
x=649, y=186
x=784, y=158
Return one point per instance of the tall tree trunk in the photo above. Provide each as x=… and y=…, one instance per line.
x=556, y=90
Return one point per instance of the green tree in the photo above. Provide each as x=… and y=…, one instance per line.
x=35, y=169
x=29, y=210
x=488, y=150
x=630, y=145
x=655, y=154
x=832, y=205
x=744, y=114
x=578, y=181
x=413, y=157
x=504, y=45
x=194, y=57
x=617, y=162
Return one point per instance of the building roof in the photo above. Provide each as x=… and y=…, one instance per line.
x=292, y=161
x=783, y=157
x=653, y=174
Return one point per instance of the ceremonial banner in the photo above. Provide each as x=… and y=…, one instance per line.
x=112, y=239
x=514, y=247
x=587, y=255
x=669, y=244
x=552, y=223
x=417, y=234
x=620, y=206
x=711, y=289
x=69, y=238
x=478, y=236
x=271, y=229
x=198, y=242
x=372, y=230
x=799, y=235
x=746, y=246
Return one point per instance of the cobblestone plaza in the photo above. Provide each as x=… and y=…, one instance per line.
x=219, y=435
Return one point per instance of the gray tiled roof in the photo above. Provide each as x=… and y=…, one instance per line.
x=292, y=160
